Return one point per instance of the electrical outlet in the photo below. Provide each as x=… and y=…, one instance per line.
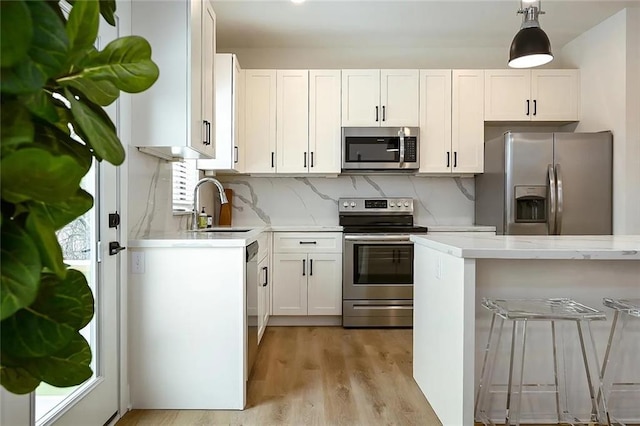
x=439, y=268
x=137, y=262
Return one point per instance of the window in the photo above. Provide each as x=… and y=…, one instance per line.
x=185, y=177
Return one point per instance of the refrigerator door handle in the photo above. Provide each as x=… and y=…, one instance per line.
x=560, y=197
x=552, y=200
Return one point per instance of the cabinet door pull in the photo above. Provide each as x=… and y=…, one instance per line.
x=273, y=159
x=235, y=155
x=310, y=267
x=376, y=113
x=304, y=267
x=448, y=159
x=305, y=160
x=311, y=158
x=535, y=106
x=266, y=276
x=384, y=113
x=455, y=158
x=204, y=132
x=308, y=242
x=527, y=106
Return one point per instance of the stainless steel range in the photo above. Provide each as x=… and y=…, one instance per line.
x=377, y=276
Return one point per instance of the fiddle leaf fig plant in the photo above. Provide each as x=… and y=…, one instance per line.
x=54, y=84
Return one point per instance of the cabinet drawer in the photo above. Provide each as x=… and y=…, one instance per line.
x=307, y=242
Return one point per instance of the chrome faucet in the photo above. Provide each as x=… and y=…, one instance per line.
x=196, y=198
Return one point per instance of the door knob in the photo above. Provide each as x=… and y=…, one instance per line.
x=115, y=248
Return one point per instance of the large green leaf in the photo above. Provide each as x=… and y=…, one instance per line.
x=16, y=32
x=16, y=127
x=36, y=174
x=68, y=301
x=26, y=77
x=57, y=142
x=108, y=11
x=17, y=380
x=126, y=62
x=64, y=212
x=31, y=334
x=50, y=42
x=101, y=92
x=41, y=105
x=47, y=52
x=98, y=129
x=67, y=367
x=82, y=25
x=20, y=273
x=44, y=236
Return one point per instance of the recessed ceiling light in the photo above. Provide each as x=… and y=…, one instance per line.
x=297, y=1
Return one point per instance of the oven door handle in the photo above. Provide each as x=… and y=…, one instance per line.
x=385, y=307
x=377, y=238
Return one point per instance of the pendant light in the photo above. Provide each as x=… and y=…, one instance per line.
x=530, y=47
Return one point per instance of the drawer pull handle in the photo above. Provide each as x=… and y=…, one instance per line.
x=308, y=242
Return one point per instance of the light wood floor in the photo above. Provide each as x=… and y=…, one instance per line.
x=320, y=376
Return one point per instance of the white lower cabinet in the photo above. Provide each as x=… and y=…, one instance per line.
x=264, y=294
x=307, y=274
x=264, y=282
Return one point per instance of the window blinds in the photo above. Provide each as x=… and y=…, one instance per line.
x=185, y=177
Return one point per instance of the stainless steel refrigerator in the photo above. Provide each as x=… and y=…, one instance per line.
x=547, y=184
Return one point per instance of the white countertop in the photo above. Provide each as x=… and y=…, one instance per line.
x=200, y=238
x=221, y=238
x=482, y=246
x=460, y=228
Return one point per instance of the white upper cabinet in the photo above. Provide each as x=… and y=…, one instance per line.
x=380, y=98
x=451, y=121
x=556, y=95
x=360, y=98
x=435, y=121
x=292, y=121
x=175, y=118
x=229, y=153
x=260, y=121
x=324, y=121
x=467, y=123
x=532, y=95
x=399, y=98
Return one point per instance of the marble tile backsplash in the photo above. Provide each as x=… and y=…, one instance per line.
x=314, y=200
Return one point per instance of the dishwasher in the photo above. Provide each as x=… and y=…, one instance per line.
x=251, y=283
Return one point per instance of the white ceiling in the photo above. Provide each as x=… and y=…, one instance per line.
x=398, y=23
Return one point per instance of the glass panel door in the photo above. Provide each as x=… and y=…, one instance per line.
x=382, y=264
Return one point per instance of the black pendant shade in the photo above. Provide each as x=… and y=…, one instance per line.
x=530, y=47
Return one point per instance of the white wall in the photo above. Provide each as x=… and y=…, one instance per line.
x=432, y=58
x=607, y=56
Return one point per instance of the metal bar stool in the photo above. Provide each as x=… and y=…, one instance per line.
x=520, y=312
x=624, y=311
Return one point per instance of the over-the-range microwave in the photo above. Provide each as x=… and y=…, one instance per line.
x=380, y=149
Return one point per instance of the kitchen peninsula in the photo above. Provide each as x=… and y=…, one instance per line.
x=454, y=273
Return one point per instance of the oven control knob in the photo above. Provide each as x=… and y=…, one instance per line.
x=353, y=204
x=392, y=204
x=345, y=204
x=406, y=204
x=399, y=205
